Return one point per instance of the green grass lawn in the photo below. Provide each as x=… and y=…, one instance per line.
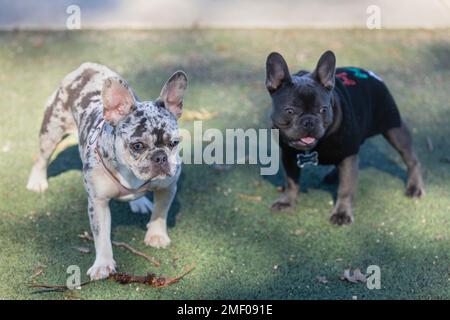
x=240, y=249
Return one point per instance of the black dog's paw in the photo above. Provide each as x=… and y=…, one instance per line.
x=341, y=218
x=415, y=191
x=282, y=205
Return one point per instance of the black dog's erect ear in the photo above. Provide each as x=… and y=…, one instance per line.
x=277, y=72
x=326, y=69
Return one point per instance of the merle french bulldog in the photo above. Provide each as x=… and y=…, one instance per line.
x=127, y=147
x=324, y=116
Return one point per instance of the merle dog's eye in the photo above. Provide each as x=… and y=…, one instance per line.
x=137, y=146
x=289, y=110
x=174, y=143
x=323, y=109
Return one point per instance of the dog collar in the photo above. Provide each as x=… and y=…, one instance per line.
x=93, y=143
x=307, y=158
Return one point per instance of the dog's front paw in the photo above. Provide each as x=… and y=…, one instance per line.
x=341, y=218
x=281, y=205
x=415, y=190
x=157, y=240
x=37, y=182
x=101, y=269
x=141, y=205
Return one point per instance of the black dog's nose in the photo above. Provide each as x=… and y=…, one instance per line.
x=159, y=157
x=307, y=123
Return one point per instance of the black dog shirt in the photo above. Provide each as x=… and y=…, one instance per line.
x=368, y=109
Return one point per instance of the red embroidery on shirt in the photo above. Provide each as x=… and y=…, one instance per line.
x=346, y=81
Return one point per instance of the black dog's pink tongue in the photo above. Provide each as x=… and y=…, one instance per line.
x=308, y=140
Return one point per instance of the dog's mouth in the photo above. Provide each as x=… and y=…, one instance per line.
x=161, y=174
x=307, y=142
x=154, y=173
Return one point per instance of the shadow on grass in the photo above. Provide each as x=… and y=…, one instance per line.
x=325, y=177
x=295, y=280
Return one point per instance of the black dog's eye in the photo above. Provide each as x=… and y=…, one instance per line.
x=174, y=143
x=289, y=110
x=137, y=146
x=323, y=109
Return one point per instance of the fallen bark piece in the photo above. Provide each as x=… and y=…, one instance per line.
x=356, y=277
x=150, y=279
x=156, y=263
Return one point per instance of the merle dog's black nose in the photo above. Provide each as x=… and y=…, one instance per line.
x=159, y=157
x=307, y=123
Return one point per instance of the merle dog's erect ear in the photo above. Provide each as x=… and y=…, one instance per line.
x=118, y=100
x=277, y=72
x=173, y=92
x=325, y=70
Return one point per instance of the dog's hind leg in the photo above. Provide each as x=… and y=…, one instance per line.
x=400, y=139
x=58, y=121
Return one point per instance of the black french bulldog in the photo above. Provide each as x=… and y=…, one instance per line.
x=324, y=116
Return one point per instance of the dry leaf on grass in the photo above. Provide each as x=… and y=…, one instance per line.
x=299, y=232
x=356, y=277
x=202, y=114
x=439, y=237
x=249, y=197
x=322, y=279
x=39, y=270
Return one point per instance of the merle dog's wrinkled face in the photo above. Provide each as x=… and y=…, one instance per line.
x=301, y=103
x=147, y=141
x=146, y=133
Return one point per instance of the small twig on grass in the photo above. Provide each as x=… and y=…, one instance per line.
x=82, y=249
x=53, y=287
x=156, y=263
x=136, y=252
